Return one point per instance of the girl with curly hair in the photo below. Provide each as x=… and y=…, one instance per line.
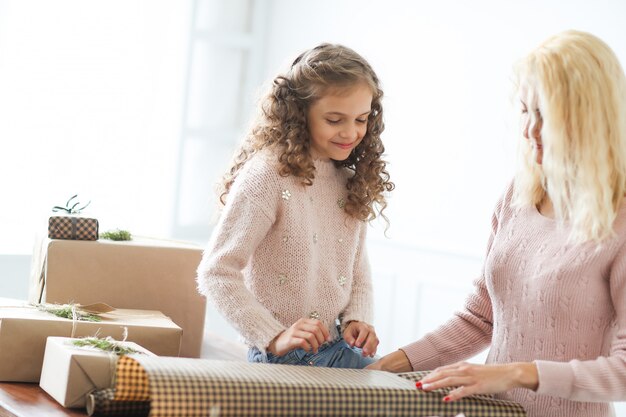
x=551, y=302
x=287, y=263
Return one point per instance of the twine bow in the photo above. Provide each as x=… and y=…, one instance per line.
x=73, y=209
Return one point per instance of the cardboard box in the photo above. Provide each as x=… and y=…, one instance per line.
x=24, y=330
x=71, y=372
x=145, y=274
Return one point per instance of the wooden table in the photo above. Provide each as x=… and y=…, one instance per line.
x=28, y=400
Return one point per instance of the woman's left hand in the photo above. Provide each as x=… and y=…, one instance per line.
x=481, y=379
x=361, y=335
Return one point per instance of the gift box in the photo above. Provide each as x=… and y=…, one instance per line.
x=71, y=372
x=146, y=274
x=72, y=227
x=24, y=330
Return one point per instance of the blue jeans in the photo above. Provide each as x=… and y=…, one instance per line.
x=335, y=354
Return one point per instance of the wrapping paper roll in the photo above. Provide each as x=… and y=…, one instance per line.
x=101, y=403
x=200, y=387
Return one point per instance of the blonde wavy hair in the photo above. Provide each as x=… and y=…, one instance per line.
x=282, y=127
x=581, y=92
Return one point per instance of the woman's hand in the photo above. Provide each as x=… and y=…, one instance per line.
x=480, y=379
x=394, y=362
x=361, y=335
x=308, y=334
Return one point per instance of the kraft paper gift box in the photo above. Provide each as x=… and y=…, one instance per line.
x=147, y=274
x=24, y=330
x=71, y=372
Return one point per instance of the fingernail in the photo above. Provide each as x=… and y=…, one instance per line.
x=418, y=384
x=447, y=399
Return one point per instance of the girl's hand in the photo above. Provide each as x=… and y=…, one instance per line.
x=361, y=335
x=307, y=334
x=394, y=362
x=481, y=379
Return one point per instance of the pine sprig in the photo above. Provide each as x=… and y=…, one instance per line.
x=116, y=235
x=67, y=311
x=71, y=209
x=106, y=344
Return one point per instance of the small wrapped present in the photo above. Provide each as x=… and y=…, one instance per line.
x=72, y=227
x=72, y=368
x=24, y=329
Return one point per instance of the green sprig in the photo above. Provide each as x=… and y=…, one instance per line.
x=116, y=235
x=73, y=209
x=67, y=311
x=106, y=344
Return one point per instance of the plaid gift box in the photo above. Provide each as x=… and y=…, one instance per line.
x=72, y=227
x=200, y=387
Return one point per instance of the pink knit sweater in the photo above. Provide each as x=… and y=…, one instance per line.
x=542, y=299
x=282, y=251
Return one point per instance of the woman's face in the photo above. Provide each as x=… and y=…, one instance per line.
x=531, y=122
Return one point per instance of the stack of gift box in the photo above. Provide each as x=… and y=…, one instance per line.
x=139, y=294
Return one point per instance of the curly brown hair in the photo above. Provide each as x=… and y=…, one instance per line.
x=282, y=127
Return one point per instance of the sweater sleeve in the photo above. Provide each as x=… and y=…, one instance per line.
x=244, y=222
x=361, y=304
x=604, y=378
x=469, y=331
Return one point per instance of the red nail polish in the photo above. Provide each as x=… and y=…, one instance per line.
x=446, y=399
x=418, y=384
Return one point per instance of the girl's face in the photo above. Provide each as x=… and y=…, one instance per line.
x=532, y=122
x=338, y=121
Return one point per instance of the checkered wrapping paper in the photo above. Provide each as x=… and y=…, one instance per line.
x=72, y=227
x=201, y=387
x=131, y=381
x=102, y=403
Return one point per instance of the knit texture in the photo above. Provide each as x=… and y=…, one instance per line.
x=543, y=299
x=282, y=251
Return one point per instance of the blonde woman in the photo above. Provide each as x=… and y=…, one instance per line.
x=551, y=301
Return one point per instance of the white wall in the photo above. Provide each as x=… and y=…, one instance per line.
x=90, y=103
x=445, y=67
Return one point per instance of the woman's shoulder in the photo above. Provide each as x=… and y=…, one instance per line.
x=619, y=225
x=505, y=201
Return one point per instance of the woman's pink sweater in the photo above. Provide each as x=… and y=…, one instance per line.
x=545, y=300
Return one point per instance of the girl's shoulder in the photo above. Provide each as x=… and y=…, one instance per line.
x=262, y=166
x=259, y=178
